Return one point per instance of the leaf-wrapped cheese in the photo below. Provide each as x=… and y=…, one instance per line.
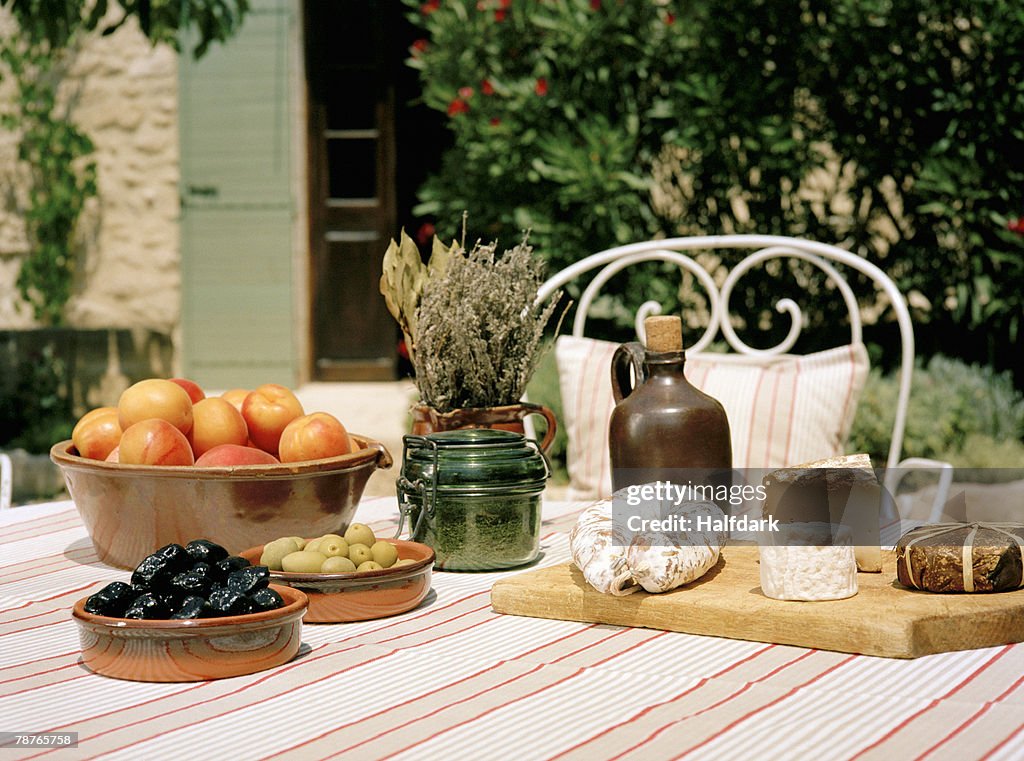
x=619, y=563
x=962, y=557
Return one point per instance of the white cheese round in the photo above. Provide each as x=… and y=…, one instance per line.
x=801, y=565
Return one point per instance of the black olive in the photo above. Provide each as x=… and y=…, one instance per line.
x=248, y=580
x=203, y=550
x=193, y=607
x=266, y=599
x=228, y=602
x=190, y=583
x=147, y=606
x=112, y=600
x=156, y=570
x=224, y=568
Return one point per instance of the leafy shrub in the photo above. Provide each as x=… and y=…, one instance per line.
x=968, y=415
x=35, y=412
x=893, y=129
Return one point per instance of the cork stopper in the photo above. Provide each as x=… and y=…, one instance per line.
x=664, y=333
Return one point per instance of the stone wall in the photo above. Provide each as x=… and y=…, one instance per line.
x=123, y=93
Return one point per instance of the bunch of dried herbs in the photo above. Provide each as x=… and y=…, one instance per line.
x=479, y=329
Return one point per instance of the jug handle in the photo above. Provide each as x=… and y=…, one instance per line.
x=628, y=356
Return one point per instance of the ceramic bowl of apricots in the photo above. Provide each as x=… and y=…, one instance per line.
x=169, y=463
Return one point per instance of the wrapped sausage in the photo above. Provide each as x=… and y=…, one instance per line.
x=962, y=557
x=618, y=563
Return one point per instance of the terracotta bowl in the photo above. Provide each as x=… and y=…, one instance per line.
x=133, y=510
x=340, y=597
x=192, y=650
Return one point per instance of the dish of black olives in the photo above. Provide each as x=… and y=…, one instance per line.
x=198, y=580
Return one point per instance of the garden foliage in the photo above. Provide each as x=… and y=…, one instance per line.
x=895, y=130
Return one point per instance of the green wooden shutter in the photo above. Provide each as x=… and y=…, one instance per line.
x=238, y=207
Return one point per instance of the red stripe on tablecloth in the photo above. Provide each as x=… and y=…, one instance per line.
x=40, y=673
x=36, y=527
x=974, y=717
x=508, y=702
x=471, y=719
x=724, y=700
x=46, y=564
x=65, y=593
x=767, y=705
x=1009, y=737
x=373, y=659
x=243, y=688
x=653, y=706
x=42, y=686
x=407, y=701
x=933, y=703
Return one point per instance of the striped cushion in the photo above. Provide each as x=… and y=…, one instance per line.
x=782, y=410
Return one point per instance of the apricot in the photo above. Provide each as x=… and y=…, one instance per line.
x=115, y=455
x=215, y=421
x=234, y=454
x=155, y=398
x=154, y=442
x=236, y=396
x=314, y=437
x=195, y=393
x=97, y=433
x=267, y=410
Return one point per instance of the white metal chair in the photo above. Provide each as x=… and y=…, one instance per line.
x=6, y=480
x=763, y=248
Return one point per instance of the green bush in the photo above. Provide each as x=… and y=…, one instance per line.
x=965, y=414
x=35, y=411
x=598, y=122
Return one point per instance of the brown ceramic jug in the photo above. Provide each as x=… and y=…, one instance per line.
x=663, y=423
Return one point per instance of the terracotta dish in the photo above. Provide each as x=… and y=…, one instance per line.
x=340, y=597
x=133, y=510
x=192, y=650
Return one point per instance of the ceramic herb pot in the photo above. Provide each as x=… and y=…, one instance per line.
x=506, y=417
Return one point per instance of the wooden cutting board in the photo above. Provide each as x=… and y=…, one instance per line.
x=883, y=618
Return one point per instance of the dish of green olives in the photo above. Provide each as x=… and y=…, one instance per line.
x=358, y=551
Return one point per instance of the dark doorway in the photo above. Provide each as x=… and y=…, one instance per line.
x=370, y=147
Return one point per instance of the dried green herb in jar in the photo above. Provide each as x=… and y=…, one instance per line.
x=474, y=496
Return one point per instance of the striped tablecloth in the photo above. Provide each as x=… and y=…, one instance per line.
x=452, y=680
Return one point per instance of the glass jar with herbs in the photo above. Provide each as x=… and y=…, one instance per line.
x=474, y=496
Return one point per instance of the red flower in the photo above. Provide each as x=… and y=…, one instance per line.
x=595, y=5
x=457, y=106
x=499, y=15
x=504, y=3
x=425, y=233
x=466, y=92
x=541, y=88
x=419, y=46
x=486, y=87
x=670, y=19
x=1016, y=225
x=429, y=7
x=495, y=121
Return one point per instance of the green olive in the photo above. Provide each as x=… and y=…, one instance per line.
x=359, y=533
x=332, y=546
x=369, y=565
x=313, y=545
x=359, y=553
x=403, y=561
x=384, y=553
x=303, y=561
x=275, y=551
x=338, y=564
x=299, y=541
